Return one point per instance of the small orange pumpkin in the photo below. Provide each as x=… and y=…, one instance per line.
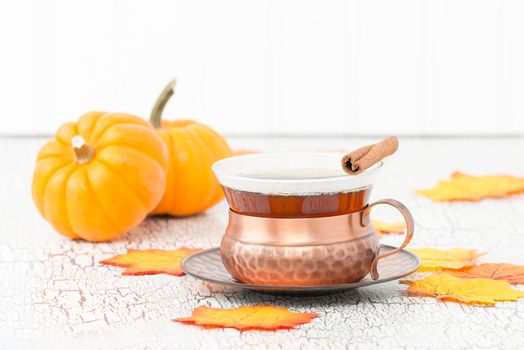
x=193, y=147
x=101, y=176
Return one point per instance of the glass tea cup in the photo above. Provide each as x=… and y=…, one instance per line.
x=296, y=219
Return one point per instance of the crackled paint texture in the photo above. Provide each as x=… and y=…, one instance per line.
x=54, y=293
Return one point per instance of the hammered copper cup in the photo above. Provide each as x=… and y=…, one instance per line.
x=300, y=251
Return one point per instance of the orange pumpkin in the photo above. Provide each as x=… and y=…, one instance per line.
x=101, y=176
x=193, y=147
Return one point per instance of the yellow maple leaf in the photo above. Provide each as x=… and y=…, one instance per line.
x=151, y=261
x=480, y=291
x=464, y=187
x=382, y=227
x=432, y=259
x=259, y=317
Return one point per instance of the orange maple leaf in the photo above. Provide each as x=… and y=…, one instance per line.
x=259, y=317
x=514, y=274
x=382, y=227
x=476, y=291
x=151, y=261
x=464, y=187
x=241, y=152
x=432, y=259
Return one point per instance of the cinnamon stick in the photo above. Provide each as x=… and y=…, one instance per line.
x=359, y=160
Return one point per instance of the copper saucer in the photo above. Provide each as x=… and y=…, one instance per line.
x=207, y=266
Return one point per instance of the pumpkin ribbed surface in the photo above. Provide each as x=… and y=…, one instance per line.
x=193, y=148
x=191, y=186
x=101, y=176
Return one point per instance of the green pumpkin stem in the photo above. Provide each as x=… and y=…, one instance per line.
x=158, y=108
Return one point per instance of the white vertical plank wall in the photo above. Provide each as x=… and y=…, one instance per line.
x=411, y=67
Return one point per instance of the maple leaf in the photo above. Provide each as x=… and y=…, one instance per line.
x=464, y=187
x=383, y=228
x=432, y=259
x=151, y=261
x=476, y=291
x=241, y=152
x=259, y=317
x=514, y=274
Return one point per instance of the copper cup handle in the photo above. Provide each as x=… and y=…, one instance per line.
x=410, y=227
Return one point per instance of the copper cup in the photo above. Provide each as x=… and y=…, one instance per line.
x=300, y=251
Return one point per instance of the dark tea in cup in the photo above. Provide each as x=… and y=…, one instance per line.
x=296, y=205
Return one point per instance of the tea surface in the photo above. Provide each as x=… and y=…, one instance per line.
x=298, y=173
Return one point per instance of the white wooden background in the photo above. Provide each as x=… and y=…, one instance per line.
x=268, y=67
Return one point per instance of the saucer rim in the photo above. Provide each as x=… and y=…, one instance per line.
x=330, y=287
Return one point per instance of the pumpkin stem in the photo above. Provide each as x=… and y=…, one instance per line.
x=83, y=151
x=165, y=95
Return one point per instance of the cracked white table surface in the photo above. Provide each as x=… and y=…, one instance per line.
x=55, y=294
